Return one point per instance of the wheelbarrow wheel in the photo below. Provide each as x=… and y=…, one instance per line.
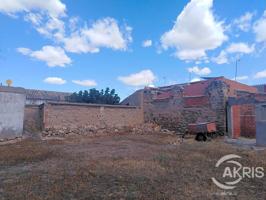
x=201, y=137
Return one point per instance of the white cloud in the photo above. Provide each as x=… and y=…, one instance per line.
x=86, y=83
x=73, y=23
x=259, y=28
x=195, y=80
x=24, y=51
x=142, y=78
x=261, y=74
x=195, y=31
x=200, y=71
x=147, y=43
x=244, y=22
x=241, y=78
x=79, y=44
x=55, y=80
x=103, y=33
x=190, y=54
x=44, y=15
x=240, y=48
x=233, y=48
x=52, y=7
x=34, y=18
x=53, y=56
x=221, y=58
x=49, y=19
x=52, y=28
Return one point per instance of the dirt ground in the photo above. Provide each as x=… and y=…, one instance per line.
x=122, y=167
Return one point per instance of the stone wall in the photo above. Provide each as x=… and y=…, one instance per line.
x=177, y=111
x=72, y=115
x=33, y=118
x=217, y=93
x=175, y=106
x=12, y=102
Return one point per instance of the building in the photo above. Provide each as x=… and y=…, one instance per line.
x=12, y=101
x=175, y=106
x=261, y=88
x=38, y=97
x=246, y=115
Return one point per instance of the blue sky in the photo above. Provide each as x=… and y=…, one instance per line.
x=68, y=45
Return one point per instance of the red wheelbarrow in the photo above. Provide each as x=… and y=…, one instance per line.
x=202, y=131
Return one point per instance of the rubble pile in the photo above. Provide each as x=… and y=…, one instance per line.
x=146, y=128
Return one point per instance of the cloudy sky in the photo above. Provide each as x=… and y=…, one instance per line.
x=71, y=45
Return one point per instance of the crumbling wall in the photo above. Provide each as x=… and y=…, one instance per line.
x=217, y=93
x=12, y=102
x=71, y=115
x=176, y=112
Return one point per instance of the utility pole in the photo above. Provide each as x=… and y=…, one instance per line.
x=237, y=60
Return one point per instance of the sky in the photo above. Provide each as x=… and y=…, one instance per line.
x=72, y=45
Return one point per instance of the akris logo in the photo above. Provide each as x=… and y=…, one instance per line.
x=236, y=172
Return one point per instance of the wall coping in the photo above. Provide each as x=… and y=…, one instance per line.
x=89, y=105
x=10, y=89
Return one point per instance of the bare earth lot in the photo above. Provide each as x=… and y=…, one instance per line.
x=122, y=167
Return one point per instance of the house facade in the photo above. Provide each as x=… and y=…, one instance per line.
x=175, y=106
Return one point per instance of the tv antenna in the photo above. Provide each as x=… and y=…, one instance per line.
x=9, y=82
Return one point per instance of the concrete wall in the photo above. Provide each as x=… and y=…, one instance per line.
x=72, y=115
x=12, y=102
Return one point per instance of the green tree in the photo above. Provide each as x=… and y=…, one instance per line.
x=106, y=96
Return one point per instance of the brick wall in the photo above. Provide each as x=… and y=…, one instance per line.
x=247, y=120
x=196, y=101
x=236, y=121
x=32, y=118
x=243, y=120
x=70, y=115
x=174, y=107
x=176, y=112
x=236, y=86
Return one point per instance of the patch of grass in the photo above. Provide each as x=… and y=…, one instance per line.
x=146, y=167
x=24, y=152
x=163, y=159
